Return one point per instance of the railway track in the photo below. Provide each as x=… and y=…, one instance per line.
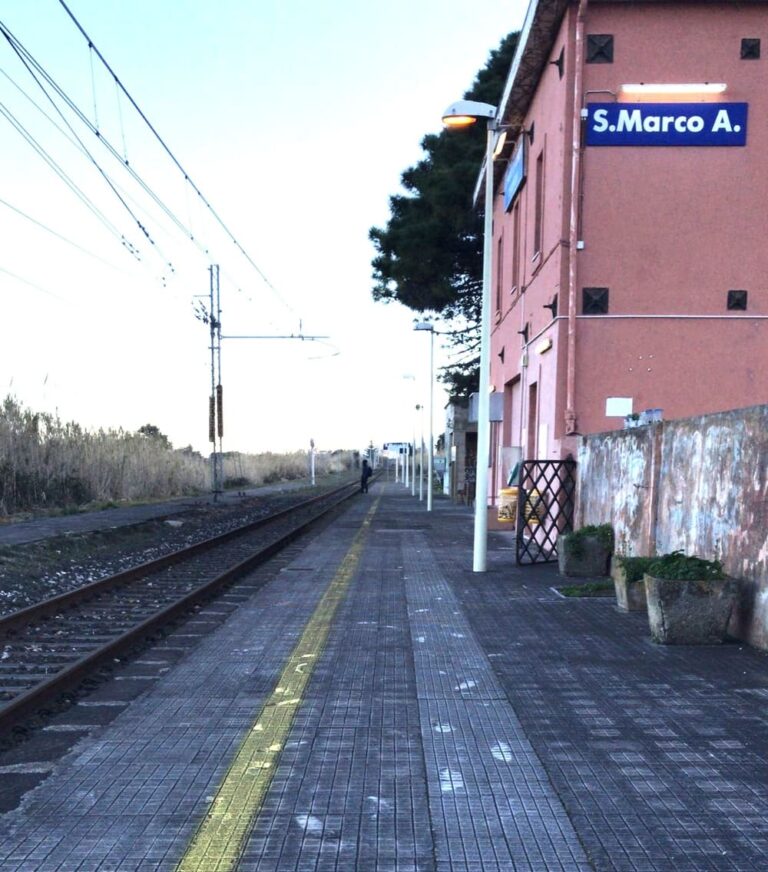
x=52, y=646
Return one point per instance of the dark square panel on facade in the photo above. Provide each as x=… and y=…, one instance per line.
x=737, y=301
x=750, y=49
x=595, y=301
x=600, y=48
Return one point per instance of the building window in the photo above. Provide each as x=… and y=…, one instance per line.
x=539, y=216
x=595, y=301
x=516, y=280
x=533, y=415
x=499, y=270
x=737, y=301
x=600, y=48
x=750, y=49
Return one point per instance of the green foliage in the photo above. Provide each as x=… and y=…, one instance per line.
x=153, y=432
x=591, y=588
x=681, y=567
x=237, y=482
x=635, y=567
x=574, y=542
x=429, y=257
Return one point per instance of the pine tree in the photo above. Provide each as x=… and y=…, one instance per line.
x=429, y=257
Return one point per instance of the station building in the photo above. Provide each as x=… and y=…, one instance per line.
x=630, y=253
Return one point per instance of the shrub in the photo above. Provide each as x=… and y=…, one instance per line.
x=635, y=567
x=237, y=483
x=574, y=542
x=681, y=567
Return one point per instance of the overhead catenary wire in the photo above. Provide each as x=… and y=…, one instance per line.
x=28, y=60
x=56, y=167
x=30, y=284
x=60, y=236
x=38, y=72
x=92, y=47
x=76, y=145
x=20, y=52
x=52, y=92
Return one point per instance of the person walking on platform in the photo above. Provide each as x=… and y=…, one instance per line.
x=365, y=473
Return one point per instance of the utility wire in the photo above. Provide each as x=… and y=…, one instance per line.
x=19, y=48
x=60, y=236
x=20, y=54
x=32, y=285
x=170, y=154
x=29, y=60
x=68, y=181
x=39, y=108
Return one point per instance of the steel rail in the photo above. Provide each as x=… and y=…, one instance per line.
x=34, y=700
x=17, y=619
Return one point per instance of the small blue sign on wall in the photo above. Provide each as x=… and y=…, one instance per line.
x=675, y=124
x=515, y=174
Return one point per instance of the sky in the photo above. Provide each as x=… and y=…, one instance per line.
x=283, y=127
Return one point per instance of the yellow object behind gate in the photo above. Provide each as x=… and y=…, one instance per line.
x=508, y=505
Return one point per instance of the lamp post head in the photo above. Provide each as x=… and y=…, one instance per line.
x=462, y=113
x=424, y=325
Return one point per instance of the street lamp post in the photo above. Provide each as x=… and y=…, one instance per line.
x=427, y=325
x=462, y=114
x=420, y=410
x=411, y=452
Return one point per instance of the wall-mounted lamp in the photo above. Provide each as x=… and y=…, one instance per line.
x=682, y=88
x=464, y=113
x=543, y=346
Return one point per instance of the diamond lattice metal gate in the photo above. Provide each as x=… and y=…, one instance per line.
x=546, y=499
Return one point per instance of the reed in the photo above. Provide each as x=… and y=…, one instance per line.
x=47, y=463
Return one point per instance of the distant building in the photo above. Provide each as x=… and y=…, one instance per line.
x=460, y=453
x=630, y=264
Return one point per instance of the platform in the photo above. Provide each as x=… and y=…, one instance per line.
x=373, y=704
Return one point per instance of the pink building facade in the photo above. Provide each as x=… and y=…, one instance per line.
x=630, y=244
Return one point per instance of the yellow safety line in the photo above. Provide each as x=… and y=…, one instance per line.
x=219, y=840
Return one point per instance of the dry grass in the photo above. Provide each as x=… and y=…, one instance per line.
x=47, y=463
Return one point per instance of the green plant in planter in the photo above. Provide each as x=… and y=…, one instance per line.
x=585, y=552
x=634, y=567
x=678, y=566
x=574, y=542
x=690, y=600
x=628, y=574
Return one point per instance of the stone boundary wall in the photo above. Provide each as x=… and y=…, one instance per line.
x=697, y=484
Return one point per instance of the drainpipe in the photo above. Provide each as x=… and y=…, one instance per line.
x=571, y=421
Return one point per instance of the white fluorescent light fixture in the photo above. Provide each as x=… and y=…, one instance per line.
x=675, y=88
x=501, y=141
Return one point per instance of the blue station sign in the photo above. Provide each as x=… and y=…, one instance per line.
x=675, y=124
x=515, y=174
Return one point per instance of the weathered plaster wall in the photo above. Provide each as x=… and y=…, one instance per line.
x=698, y=484
x=615, y=477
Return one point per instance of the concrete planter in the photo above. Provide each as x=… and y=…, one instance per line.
x=630, y=595
x=693, y=612
x=588, y=559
